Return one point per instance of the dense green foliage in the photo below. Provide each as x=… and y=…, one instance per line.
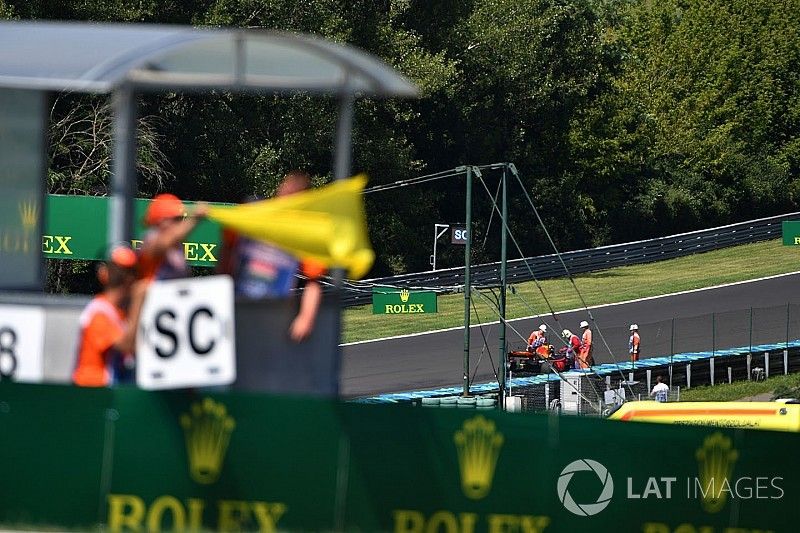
x=627, y=118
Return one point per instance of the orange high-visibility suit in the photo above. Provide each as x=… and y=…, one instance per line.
x=585, y=359
x=102, y=325
x=537, y=342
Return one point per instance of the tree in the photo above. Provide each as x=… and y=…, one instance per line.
x=701, y=125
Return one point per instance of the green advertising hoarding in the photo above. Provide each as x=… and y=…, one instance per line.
x=76, y=228
x=394, y=301
x=791, y=232
x=184, y=460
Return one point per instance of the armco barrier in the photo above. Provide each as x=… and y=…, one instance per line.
x=134, y=461
x=613, y=373
x=582, y=261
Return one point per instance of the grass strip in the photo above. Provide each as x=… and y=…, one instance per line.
x=783, y=386
x=738, y=263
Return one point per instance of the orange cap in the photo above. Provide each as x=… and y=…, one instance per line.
x=122, y=256
x=162, y=207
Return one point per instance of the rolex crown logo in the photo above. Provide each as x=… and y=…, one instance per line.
x=715, y=460
x=207, y=429
x=28, y=214
x=478, y=444
x=404, y=294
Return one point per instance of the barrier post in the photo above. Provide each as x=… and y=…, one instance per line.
x=713, y=338
x=730, y=375
x=749, y=365
x=688, y=375
x=766, y=365
x=649, y=375
x=711, y=367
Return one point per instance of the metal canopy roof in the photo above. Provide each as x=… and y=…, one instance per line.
x=99, y=58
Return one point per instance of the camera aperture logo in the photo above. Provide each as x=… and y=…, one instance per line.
x=585, y=509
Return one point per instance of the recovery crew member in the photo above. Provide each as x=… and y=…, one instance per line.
x=573, y=344
x=537, y=341
x=105, y=346
x=634, y=343
x=585, y=359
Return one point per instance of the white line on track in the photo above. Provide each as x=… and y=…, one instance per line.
x=575, y=310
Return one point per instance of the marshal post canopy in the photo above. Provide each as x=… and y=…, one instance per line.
x=126, y=59
x=100, y=58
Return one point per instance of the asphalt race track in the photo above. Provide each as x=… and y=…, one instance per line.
x=692, y=321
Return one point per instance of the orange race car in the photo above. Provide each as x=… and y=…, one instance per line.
x=538, y=361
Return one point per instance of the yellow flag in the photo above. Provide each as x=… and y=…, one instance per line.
x=327, y=224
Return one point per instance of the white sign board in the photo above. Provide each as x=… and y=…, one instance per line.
x=21, y=343
x=186, y=334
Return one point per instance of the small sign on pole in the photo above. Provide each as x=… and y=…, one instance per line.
x=186, y=334
x=458, y=235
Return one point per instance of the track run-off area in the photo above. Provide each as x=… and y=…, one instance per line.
x=683, y=321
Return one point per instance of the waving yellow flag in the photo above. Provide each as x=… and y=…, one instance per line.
x=327, y=224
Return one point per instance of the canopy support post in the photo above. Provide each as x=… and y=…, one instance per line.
x=342, y=142
x=123, y=177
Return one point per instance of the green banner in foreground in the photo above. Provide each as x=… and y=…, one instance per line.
x=76, y=228
x=393, y=301
x=791, y=232
x=189, y=461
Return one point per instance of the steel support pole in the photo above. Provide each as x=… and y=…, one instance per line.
x=123, y=177
x=435, y=238
x=467, y=295
x=503, y=272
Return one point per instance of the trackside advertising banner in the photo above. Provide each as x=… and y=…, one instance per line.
x=134, y=461
x=76, y=228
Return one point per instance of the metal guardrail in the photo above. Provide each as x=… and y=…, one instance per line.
x=578, y=261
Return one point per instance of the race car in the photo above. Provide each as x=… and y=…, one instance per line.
x=541, y=360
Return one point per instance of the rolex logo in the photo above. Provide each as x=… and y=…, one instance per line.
x=28, y=214
x=478, y=444
x=404, y=294
x=715, y=460
x=207, y=429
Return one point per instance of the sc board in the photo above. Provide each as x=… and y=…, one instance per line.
x=186, y=334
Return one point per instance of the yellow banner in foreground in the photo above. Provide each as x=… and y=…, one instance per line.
x=326, y=224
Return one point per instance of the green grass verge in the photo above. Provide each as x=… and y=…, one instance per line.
x=787, y=386
x=729, y=265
